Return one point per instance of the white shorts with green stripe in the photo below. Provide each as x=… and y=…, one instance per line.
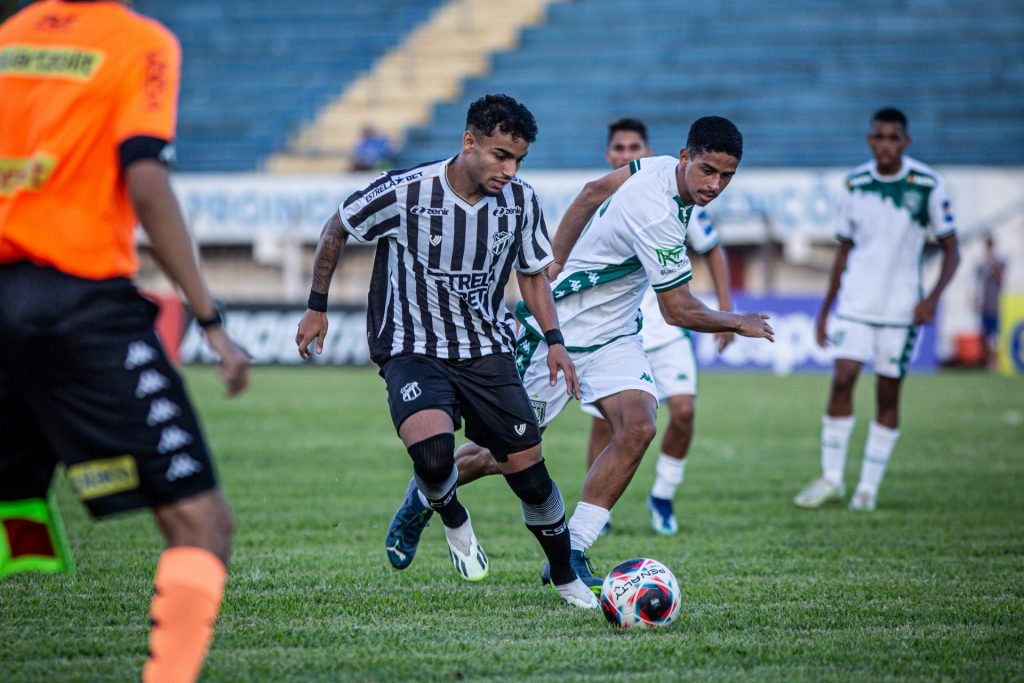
x=889, y=348
x=617, y=366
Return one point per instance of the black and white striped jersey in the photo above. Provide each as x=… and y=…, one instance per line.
x=439, y=275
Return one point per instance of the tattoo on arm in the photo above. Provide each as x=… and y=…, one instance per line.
x=328, y=251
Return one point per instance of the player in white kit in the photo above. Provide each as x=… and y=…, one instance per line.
x=631, y=241
x=892, y=206
x=669, y=348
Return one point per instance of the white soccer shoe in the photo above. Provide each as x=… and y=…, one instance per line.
x=578, y=594
x=817, y=493
x=863, y=500
x=468, y=557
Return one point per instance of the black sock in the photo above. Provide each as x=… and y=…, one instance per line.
x=544, y=514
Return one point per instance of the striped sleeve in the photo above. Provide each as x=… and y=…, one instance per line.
x=373, y=212
x=535, y=251
x=701, y=233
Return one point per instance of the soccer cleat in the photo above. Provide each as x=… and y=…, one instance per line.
x=819, y=492
x=663, y=520
x=405, y=529
x=472, y=564
x=580, y=563
x=863, y=499
x=578, y=594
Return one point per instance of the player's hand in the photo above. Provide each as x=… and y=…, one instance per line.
x=312, y=325
x=234, y=361
x=756, y=325
x=924, y=312
x=558, y=360
x=554, y=268
x=821, y=331
x=723, y=339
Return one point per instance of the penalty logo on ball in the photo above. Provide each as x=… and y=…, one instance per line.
x=641, y=593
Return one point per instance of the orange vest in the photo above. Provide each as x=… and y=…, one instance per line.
x=77, y=80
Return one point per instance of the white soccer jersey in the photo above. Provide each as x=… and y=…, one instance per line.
x=633, y=242
x=701, y=238
x=889, y=220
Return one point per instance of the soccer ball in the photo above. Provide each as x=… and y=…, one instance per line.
x=640, y=593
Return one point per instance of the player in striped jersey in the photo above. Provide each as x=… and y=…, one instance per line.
x=448, y=235
x=892, y=206
x=634, y=239
x=669, y=348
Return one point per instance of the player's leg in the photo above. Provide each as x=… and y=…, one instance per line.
x=852, y=343
x=895, y=346
x=675, y=374
x=600, y=435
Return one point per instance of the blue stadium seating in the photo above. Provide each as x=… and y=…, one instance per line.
x=253, y=72
x=800, y=78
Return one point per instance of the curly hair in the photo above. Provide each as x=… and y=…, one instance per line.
x=714, y=134
x=505, y=114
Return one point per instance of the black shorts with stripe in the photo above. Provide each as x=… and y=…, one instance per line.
x=486, y=392
x=85, y=382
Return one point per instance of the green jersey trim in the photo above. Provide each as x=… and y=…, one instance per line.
x=531, y=336
x=679, y=281
x=585, y=279
x=634, y=166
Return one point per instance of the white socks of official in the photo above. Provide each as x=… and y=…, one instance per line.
x=586, y=524
x=668, y=475
x=881, y=441
x=835, y=438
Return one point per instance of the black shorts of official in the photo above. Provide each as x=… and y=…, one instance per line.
x=486, y=392
x=85, y=382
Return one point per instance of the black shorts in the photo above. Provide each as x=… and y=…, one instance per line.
x=486, y=392
x=84, y=381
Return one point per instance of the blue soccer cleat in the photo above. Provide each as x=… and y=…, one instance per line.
x=663, y=519
x=580, y=563
x=405, y=529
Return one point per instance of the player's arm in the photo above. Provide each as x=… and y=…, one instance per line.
x=720, y=277
x=580, y=212
x=313, y=324
x=681, y=308
x=536, y=291
x=924, y=311
x=838, y=266
x=149, y=190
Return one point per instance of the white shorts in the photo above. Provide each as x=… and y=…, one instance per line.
x=618, y=366
x=889, y=348
x=675, y=372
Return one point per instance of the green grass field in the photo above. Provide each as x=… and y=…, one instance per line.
x=930, y=587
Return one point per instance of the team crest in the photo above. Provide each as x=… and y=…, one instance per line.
x=500, y=242
x=520, y=428
x=435, y=240
x=912, y=201
x=411, y=391
x=540, y=409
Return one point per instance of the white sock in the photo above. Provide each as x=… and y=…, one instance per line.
x=835, y=437
x=881, y=441
x=668, y=475
x=460, y=537
x=586, y=524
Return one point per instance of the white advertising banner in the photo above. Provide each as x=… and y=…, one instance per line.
x=781, y=203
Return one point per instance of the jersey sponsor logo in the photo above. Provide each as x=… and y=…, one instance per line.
x=407, y=178
x=154, y=87
x=471, y=285
x=507, y=211
x=55, y=22
x=673, y=256
x=98, y=478
x=25, y=174
x=428, y=211
x=501, y=241
x=520, y=428
x=947, y=212
x=860, y=180
x=378, y=191
x=540, y=409
x=50, y=62
x=182, y=465
x=411, y=391
x=922, y=180
x=646, y=378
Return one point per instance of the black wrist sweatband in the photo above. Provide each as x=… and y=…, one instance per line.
x=216, y=319
x=554, y=336
x=317, y=302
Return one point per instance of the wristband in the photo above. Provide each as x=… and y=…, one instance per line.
x=317, y=302
x=216, y=319
x=554, y=336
